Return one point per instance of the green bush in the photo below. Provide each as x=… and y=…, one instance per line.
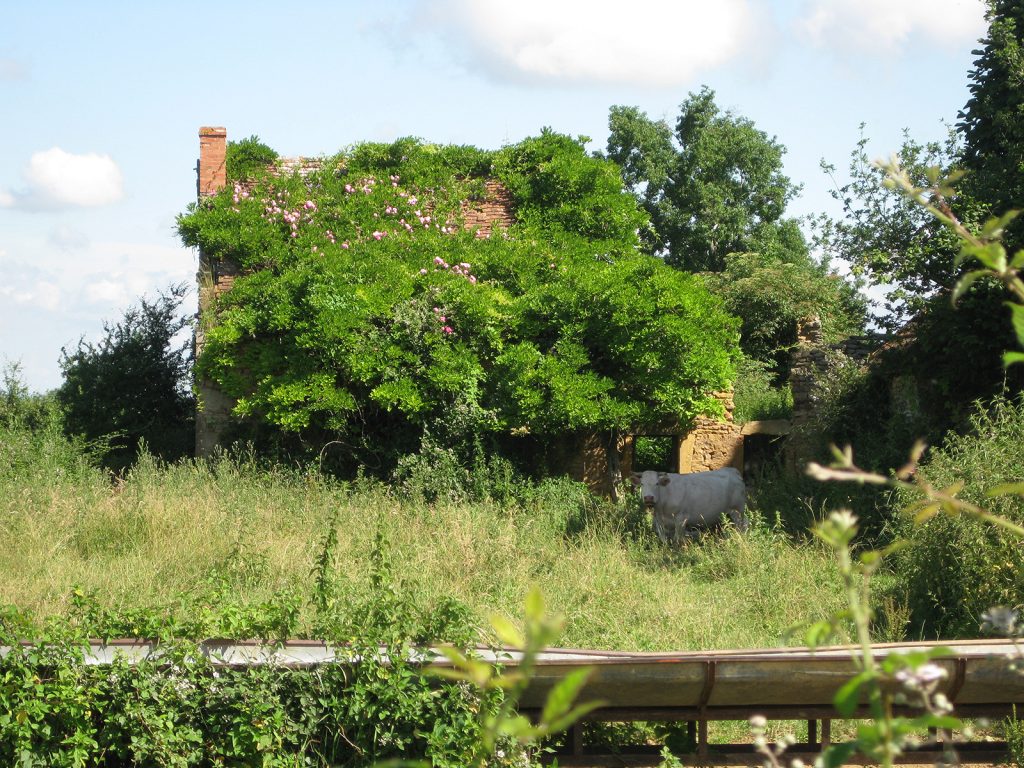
x=369, y=319
x=957, y=567
x=756, y=395
x=134, y=385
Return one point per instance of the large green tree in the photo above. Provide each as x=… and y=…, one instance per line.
x=992, y=121
x=716, y=195
x=369, y=316
x=886, y=238
x=712, y=187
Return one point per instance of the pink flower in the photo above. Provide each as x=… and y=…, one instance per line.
x=442, y=319
x=472, y=279
x=349, y=189
x=309, y=205
x=448, y=329
x=345, y=245
x=378, y=235
x=423, y=271
x=438, y=260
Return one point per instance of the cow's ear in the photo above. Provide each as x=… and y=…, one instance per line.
x=663, y=479
x=636, y=478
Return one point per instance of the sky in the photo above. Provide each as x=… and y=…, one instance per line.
x=101, y=103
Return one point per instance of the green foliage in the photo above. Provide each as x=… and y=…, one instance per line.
x=982, y=565
x=992, y=121
x=756, y=395
x=654, y=453
x=716, y=195
x=247, y=158
x=133, y=385
x=889, y=239
x=771, y=295
x=712, y=188
x=371, y=317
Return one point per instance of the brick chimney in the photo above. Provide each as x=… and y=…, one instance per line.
x=212, y=168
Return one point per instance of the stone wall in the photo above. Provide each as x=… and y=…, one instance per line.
x=713, y=443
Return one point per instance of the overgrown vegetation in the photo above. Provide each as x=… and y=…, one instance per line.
x=373, y=321
x=239, y=548
x=133, y=386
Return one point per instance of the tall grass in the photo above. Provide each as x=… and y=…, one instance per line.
x=194, y=533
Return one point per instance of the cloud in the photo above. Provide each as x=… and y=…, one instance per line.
x=39, y=293
x=57, y=179
x=12, y=70
x=662, y=43
x=885, y=25
x=67, y=238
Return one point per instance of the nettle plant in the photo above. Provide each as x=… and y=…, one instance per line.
x=367, y=313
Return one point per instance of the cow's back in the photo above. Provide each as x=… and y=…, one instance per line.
x=707, y=496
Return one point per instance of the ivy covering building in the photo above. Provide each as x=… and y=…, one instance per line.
x=376, y=308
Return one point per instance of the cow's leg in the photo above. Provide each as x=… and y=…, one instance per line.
x=739, y=520
x=683, y=533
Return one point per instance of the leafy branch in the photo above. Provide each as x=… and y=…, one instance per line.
x=560, y=710
x=985, y=247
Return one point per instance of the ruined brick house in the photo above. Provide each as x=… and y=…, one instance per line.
x=708, y=444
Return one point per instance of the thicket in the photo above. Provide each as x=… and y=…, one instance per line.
x=370, y=320
x=134, y=385
x=948, y=356
x=956, y=568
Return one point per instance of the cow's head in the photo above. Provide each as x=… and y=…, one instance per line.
x=649, y=483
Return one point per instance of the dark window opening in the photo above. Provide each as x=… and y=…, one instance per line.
x=655, y=452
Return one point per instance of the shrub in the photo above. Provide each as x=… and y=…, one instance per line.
x=133, y=385
x=756, y=396
x=958, y=567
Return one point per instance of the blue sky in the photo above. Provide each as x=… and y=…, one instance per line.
x=101, y=102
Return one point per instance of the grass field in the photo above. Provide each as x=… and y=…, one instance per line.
x=198, y=533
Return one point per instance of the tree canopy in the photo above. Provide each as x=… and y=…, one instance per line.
x=716, y=196
x=992, y=121
x=133, y=384
x=712, y=187
x=367, y=314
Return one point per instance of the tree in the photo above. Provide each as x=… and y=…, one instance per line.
x=770, y=296
x=992, y=121
x=888, y=239
x=716, y=196
x=367, y=315
x=134, y=384
x=712, y=188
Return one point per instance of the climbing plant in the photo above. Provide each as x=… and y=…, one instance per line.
x=368, y=314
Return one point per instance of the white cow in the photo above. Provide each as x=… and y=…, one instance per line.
x=681, y=503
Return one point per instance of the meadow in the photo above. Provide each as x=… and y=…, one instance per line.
x=234, y=534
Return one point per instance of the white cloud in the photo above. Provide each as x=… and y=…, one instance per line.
x=884, y=25
x=59, y=179
x=40, y=293
x=659, y=43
